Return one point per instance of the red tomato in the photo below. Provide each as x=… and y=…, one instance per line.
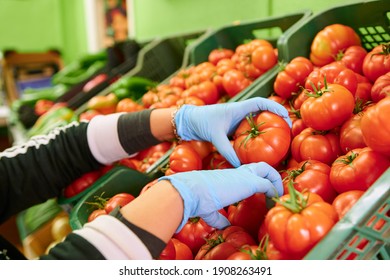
x=96, y=213
x=130, y=163
x=330, y=41
x=234, y=82
x=184, y=158
x=377, y=62
x=202, y=148
x=292, y=77
x=42, y=106
x=222, y=243
x=311, y=176
x=128, y=105
x=264, y=58
x=194, y=233
x=265, y=137
x=311, y=144
x=98, y=79
x=344, y=201
x=88, y=115
x=381, y=87
x=248, y=252
x=329, y=108
x=120, y=199
x=218, y=54
x=207, y=91
x=357, y=170
x=353, y=58
x=148, y=152
x=376, y=127
x=81, y=183
x=249, y=213
x=176, y=250
x=296, y=229
x=216, y=161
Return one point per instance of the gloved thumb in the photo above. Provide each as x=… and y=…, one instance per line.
x=216, y=219
x=225, y=148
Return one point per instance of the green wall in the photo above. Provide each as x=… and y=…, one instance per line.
x=44, y=24
x=39, y=25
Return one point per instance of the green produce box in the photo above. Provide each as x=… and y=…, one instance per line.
x=364, y=232
x=231, y=36
x=117, y=180
x=369, y=19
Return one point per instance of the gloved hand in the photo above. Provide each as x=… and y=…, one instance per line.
x=214, y=123
x=207, y=191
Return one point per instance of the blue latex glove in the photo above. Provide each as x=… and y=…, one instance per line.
x=207, y=191
x=214, y=123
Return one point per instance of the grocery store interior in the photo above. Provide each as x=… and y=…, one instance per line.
x=90, y=56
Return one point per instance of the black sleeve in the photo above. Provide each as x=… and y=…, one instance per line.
x=134, y=131
x=74, y=247
x=39, y=169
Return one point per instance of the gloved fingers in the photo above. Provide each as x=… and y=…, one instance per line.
x=225, y=148
x=257, y=104
x=216, y=219
x=271, y=175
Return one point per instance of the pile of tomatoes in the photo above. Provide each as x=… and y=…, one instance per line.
x=337, y=148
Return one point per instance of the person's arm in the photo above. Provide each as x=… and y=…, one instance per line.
x=146, y=224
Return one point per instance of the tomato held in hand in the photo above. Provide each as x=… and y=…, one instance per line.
x=265, y=137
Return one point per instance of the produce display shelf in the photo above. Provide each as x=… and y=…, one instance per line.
x=117, y=180
x=158, y=60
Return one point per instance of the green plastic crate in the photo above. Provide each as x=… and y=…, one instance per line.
x=231, y=36
x=364, y=232
x=370, y=19
x=117, y=180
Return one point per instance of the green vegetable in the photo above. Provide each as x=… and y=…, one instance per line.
x=132, y=87
x=55, y=117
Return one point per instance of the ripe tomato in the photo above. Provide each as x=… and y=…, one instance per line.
x=218, y=54
x=207, y=91
x=161, y=147
x=377, y=62
x=249, y=213
x=96, y=213
x=265, y=137
x=353, y=58
x=234, y=81
x=82, y=183
x=176, y=250
x=357, y=170
x=128, y=105
x=329, y=41
x=222, y=243
x=202, y=148
x=216, y=161
x=194, y=233
x=344, y=201
x=376, y=127
x=264, y=58
x=120, y=199
x=312, y=176
x=184, y=158
x=381, y=87
x=130, y=163
x=292, y=77
x=328, y=108
x=298, y=222
x=311, y=144
x=248, y=252
x=42, y=106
